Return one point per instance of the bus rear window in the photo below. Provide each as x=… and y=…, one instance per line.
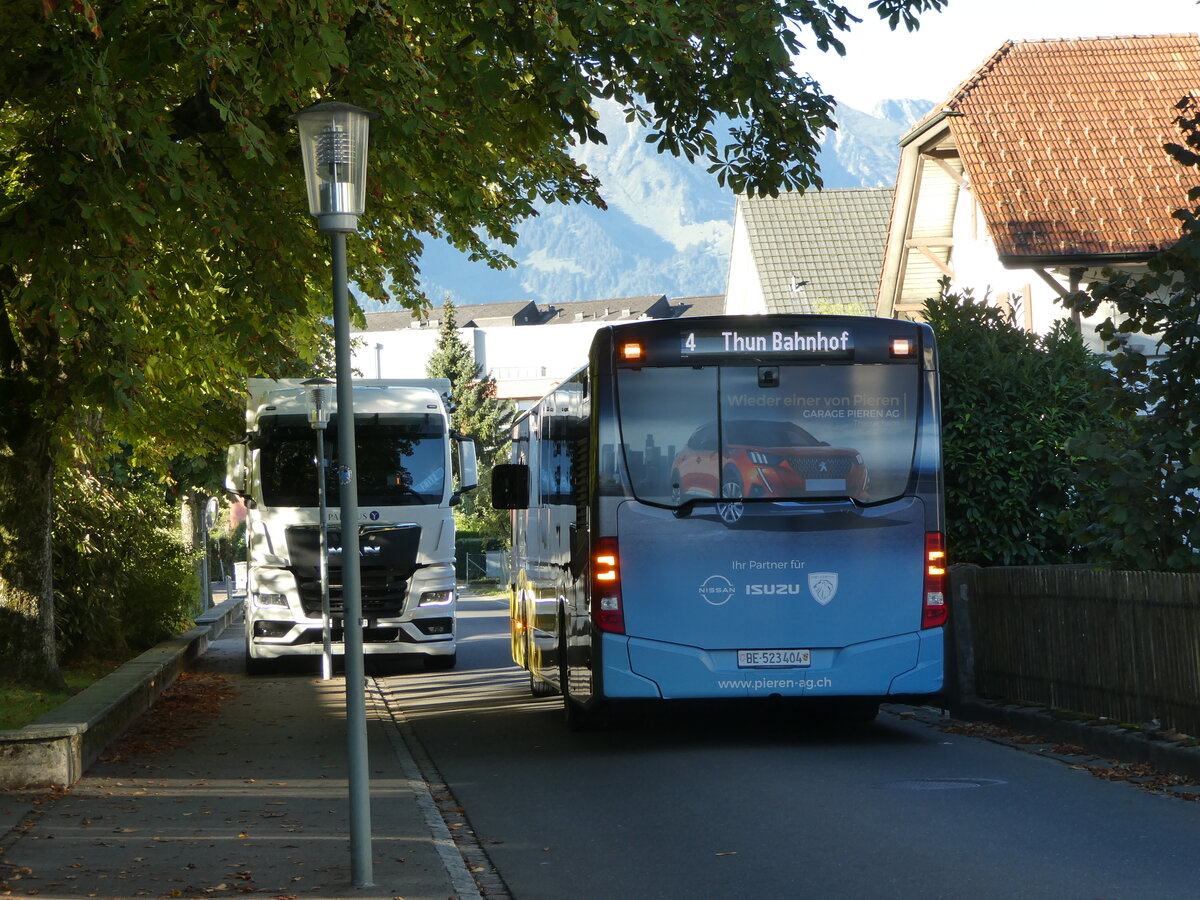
x=795, y=433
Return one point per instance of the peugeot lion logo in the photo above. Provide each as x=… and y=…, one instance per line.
x=822, y=586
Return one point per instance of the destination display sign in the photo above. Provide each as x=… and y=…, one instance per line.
x=768, y=342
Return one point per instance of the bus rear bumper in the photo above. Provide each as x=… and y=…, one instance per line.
x=908, y=664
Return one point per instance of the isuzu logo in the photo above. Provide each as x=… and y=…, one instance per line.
x=822, y=586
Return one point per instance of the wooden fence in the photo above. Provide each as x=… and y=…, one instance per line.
x=1124, y=645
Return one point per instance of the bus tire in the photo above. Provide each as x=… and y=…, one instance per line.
x=540, y=687
x=580, y=718
x=856, y=712
x=577, y=716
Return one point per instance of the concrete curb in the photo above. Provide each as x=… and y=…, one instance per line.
x=60, y=746
x=1097, y=736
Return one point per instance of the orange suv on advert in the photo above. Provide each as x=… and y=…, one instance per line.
x=765, y=458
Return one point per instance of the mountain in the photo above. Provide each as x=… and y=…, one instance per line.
x=668, y=226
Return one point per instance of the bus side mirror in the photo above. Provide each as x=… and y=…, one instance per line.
x=510, y=486
x=235, y=468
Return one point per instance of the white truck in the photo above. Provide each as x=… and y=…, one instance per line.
x=406, y=495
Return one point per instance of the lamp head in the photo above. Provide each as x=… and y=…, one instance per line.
x=319, y=397
x=333, y=140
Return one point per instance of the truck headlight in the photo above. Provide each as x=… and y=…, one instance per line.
x=436, y=598
x=265, y=599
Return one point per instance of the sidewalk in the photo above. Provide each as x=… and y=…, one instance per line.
x=254, y=803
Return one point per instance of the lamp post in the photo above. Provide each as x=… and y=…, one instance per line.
x=318, y=418
x=333, y=138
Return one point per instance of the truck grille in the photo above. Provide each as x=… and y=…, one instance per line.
x=388, y=559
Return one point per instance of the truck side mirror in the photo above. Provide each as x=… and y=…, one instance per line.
x=235, y=468
x=468, y=467
x=510, y=486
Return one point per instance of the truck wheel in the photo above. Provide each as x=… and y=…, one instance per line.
x=256, y=666
x=441, y=663
x=540, y=688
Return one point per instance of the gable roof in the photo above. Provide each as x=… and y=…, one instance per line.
x=1062, y=140
x=527, y=312
x=706, y=305
x=818, y=251
x=519, y=312
x=652, y=306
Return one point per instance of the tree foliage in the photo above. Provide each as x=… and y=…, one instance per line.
x=478, y=413
x=1012, y=403
x=1150, y=518
x=155, y=248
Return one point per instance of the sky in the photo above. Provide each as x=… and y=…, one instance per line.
x=950, y=45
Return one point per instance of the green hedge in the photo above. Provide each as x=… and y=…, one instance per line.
x=123, y=579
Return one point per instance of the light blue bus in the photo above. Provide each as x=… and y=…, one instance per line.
x=732, y=507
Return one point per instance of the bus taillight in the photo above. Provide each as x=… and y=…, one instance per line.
x=934, y=612
x=631, y=351
x=607, y=613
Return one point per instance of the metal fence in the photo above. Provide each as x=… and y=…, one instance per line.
x=1124, y=645
x=487, y=568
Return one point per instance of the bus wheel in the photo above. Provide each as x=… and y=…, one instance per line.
x=856, y=712
x=577, y=716
x=581, y=718
x=540, y=688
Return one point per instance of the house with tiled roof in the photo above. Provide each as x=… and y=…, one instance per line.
x=527, y=347
x=1041, y=168
x=808, y=252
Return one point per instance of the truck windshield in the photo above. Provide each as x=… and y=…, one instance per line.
x=401, y=460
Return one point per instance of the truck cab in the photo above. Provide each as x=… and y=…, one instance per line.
x=405, y=467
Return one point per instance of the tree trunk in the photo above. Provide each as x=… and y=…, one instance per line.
x=28, y=650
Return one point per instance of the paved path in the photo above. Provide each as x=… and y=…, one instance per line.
x=252, y=801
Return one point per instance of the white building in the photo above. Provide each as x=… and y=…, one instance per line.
x=527, y=347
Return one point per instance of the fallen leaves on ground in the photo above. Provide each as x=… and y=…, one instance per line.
x=187, y=706
x=1146, y=777
x=990, y=732
x=1141, y=775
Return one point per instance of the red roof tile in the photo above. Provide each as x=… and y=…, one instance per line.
x=1063, y=142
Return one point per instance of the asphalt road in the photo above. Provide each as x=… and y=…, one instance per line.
x=709, y=801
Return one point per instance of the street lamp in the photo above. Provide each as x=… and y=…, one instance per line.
x=318, y=418
x=333, y=138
